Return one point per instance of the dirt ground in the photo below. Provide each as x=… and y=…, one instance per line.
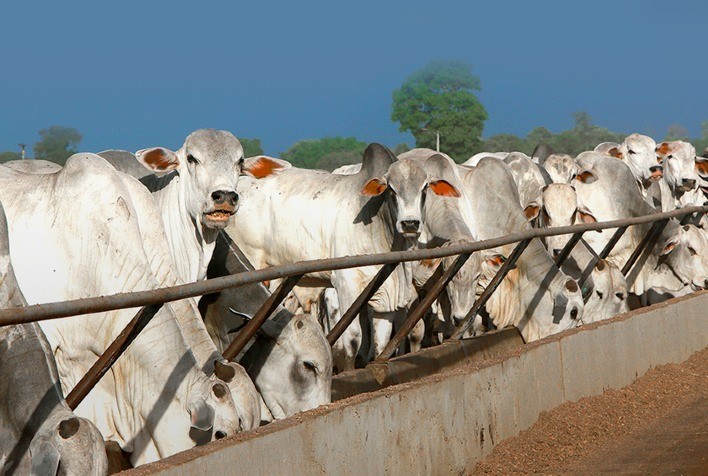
x=657, y=425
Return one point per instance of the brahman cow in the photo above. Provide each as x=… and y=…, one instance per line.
x=303, y=214
x=639, y=153
x=38, y=431
x=198, y=197
x=680, y=186
x=74, y=234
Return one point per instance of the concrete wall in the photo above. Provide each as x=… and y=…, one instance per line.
x=444, y=423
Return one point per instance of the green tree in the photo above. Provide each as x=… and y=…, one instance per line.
x=401, y=148
x=701, y=144
x=677, y=132
x=441, y=98
x=251, y=147
x=9, y=155
x=57, y=144
x=327, y=153
x=504, y=143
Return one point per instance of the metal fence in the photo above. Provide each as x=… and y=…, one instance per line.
x=151, y=301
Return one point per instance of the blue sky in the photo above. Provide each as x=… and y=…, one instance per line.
x=137, y=74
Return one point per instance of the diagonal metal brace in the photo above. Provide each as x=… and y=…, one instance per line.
x=494, y=283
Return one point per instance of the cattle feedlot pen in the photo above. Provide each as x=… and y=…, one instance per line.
x=295, y=271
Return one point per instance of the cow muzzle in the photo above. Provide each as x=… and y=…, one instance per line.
x=219, y=215
x=687, y=185
x=656, y=173
x=410, y=228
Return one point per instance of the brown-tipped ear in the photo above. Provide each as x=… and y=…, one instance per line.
x=615, y=152
x=702, y=167
x=531, y=211
x=663, y=148
x=669, y=247
x=495, y=260
x=374, y=187
x=586, y=177
x=262, y=166
x=430, y=263
x=444, y=188
x=158, y=159
x=585, y=216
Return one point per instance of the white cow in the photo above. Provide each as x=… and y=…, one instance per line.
x=605, y=187
x=74, y=234
x=314, y=215
x=536, y=297
x=474, y=160
x=639, y=153
x=38, y=432
x=680, y=186
x=604, y=285
x=198, y=198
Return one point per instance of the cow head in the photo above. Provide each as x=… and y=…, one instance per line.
x=291, y=365
x=686, y=254
x=212, y=412
x=558, y=206
x=406, y=184
x=608, y=296
x=639, y=152
x=561, y=168
x=72, y=442
x=679, y=161
x=209, y=164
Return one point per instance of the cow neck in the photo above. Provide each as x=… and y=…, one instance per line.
x=191, y=243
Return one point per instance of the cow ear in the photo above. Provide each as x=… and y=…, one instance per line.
x=669, y=247
x=374, y=187
x=662, y=149
x=702, y=166
x=584, y=215
x=443, y=188
x=494, y=260
x=616, y=153
x=158, y=159
x=201, y=415
x=531, y=211
x=262, y=166
x=586, y=177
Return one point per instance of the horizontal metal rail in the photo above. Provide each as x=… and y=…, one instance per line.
x=57, y=310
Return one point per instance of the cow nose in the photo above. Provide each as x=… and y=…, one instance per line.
x=656, y=170
x=556, y=252
x=220, y=434
x=225, y=196
x=688, y=183
x=410, y=226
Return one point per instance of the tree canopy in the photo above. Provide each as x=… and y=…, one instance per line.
x=440, y=98
x=251, y=147
x=57, y=144
x=584, y=135
x=327, y=153
x=9, y=155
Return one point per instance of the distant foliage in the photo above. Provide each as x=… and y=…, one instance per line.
x=584, y=135
x=327, y=153
x=441, y=98
x=9, y=155
x=57, y=144
x=401, y=148
x=251, y=147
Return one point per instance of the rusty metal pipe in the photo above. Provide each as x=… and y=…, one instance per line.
x=110, y=355
x=565, y=252
x=57, y=310
x=417, y=314
x=360, y=302
x=493, y=284
x=250, y=329
x=650, y=237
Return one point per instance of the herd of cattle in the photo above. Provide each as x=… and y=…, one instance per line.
x=117, y=222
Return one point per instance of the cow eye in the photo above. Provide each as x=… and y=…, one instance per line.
x=599, y=294
x=310, y=366
x=631, y=151
x=192, y=160
x=692, y=251
x=671, y=156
